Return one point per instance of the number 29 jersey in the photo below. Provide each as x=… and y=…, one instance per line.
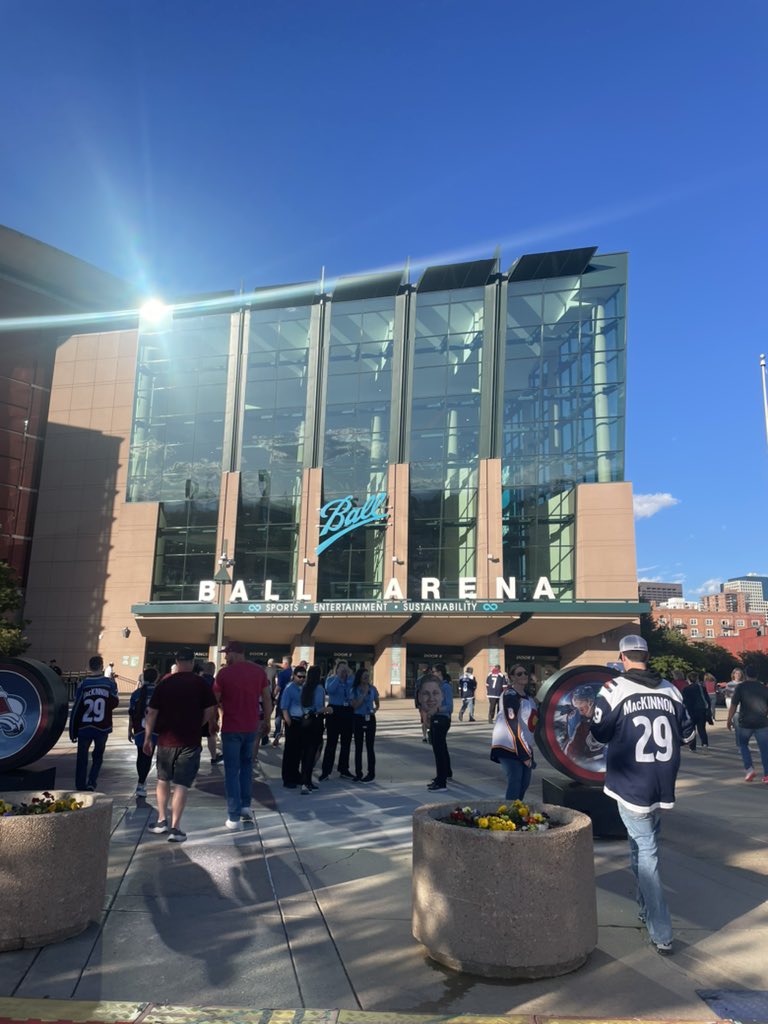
x=95, y=700
x=643, y=721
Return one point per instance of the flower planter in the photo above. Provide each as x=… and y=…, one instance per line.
x=53, y=870
x=504, y=904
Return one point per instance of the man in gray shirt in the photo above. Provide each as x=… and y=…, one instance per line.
x=750, y=699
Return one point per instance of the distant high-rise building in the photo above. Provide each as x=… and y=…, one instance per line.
x=754, y=588
x=727, y=601
x=651, y=590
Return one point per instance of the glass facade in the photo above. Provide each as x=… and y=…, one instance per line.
x=563, y=412
x=445, y=437
x=179, y=408
x=272, y=454
x=468, y=364
x=355, y=448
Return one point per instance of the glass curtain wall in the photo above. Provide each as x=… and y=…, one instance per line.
x=445, y=437
x=177, y=445
x=563, y=418
x=274, y=424
x=357, y=424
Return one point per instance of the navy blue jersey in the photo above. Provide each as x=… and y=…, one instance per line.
x=643, y=721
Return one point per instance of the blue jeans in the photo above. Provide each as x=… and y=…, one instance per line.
x=467, y=704
x=643, y=834
x=518, y=777
x=83, y=777
x=237, y=748
x=743, y=736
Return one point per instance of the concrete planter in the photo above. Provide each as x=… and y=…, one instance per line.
x=501, y=904
x=53, y=870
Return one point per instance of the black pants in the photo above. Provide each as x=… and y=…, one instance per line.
x=438, y=729
x=493, y=707
x=338, y=729
x=701, y=729
x=292, y=752
x=311, y=737
x=365, y=732
x=143, y=764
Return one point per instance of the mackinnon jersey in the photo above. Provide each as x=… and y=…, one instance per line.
x=643, y=721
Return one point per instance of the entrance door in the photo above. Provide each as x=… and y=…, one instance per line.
x=420, y=659
x=326, y=656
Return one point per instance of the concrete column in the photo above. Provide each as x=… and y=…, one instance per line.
x=482, y=654
x=309, y=533
x=489, y=555
x=389, y=667
x=396, y=543
x=229, y=499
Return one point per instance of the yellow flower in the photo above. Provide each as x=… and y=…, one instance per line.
x=503, y=809
x=482, y=823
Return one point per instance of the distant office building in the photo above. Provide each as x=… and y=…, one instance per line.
x=727, y=601
x=755, y=589
x=651, y=590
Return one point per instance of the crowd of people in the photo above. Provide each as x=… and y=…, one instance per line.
x=329, y=725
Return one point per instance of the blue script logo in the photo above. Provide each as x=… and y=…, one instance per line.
x=343, y=515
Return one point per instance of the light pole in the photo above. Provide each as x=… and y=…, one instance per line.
x=765, y=395
x=223, y=579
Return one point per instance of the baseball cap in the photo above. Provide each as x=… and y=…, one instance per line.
x=185, y=654
x=234, y=647
x=632, y=643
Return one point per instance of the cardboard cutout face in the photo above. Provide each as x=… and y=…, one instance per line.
x=430, y=696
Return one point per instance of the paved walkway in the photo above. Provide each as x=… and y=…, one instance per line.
x=311, y=909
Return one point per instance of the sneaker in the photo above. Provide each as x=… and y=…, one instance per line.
x=663, y=948
x=750, y=775
x=346, y=774
x=289, y=785
x=473, y=719
x=424, y=739
x=159, y=827
x=323, y=777
x=90, y=789
x=276, y=743
x=357, y=778
x=232, y=825
x=218, y=759
x=142, y=790
x=246, y=817
x=431, y=783
x=305, y=790
x=434, y=786
x=368, y=778
x=176, y=836
x=313, y=787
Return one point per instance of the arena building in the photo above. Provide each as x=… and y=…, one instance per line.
x=399, y=472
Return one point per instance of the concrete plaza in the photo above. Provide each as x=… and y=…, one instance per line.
x=311, y=909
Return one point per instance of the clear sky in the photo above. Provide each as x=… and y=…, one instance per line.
x=196, y=146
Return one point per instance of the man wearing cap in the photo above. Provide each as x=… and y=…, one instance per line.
x=240, y=688
x=181, y=704
x=642, y=719
x=494, y=687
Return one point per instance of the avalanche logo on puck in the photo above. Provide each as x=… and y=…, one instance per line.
x=33, y=711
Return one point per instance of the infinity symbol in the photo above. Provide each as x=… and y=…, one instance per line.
x=254, y=607
x=490, y=607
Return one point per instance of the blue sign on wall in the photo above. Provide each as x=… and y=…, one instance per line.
x=342, y=515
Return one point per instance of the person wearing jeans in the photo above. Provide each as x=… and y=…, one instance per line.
x=643, y=721
x=512, y=740
x=242, y=690
x=750, y=700
x=643, y=834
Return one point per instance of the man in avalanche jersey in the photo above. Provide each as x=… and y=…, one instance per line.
x=90, y=721
x=642, y=719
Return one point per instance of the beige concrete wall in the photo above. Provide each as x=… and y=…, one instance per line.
x=597, y=649
x=396, y=540
x=606, y=563
x=88, y=564
x=309, y=531
x=489, y=561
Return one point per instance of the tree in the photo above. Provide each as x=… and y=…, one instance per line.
x=668, y=649
x=758, y=660
x=12, y=639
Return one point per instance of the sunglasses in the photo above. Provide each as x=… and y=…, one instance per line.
x=300, y=675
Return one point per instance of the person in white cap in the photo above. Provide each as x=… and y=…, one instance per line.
x=642, y=719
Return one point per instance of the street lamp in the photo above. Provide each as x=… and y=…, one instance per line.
x=223, y=579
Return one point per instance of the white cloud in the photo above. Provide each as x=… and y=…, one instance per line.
x=647, y=568
x=708, y=587
x=646, y=505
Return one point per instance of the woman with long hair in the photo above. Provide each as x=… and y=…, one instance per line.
x=364, y=699
x=512, y=740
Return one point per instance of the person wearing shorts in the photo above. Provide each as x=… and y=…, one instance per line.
x=180, y=705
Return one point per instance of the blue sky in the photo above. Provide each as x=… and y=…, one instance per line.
x=194, y=146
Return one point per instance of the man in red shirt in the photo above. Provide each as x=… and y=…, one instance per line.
x=243, y=692
x=181, y=704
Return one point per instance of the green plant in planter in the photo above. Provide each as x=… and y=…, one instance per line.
x=44, y=804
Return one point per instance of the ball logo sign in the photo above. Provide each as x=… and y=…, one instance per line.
x=33, y=711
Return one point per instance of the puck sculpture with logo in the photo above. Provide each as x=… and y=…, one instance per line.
x=33, y=711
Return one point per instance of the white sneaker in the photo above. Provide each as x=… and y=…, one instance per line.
x=141, y=790
x=750, y=775
x=233, y=826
